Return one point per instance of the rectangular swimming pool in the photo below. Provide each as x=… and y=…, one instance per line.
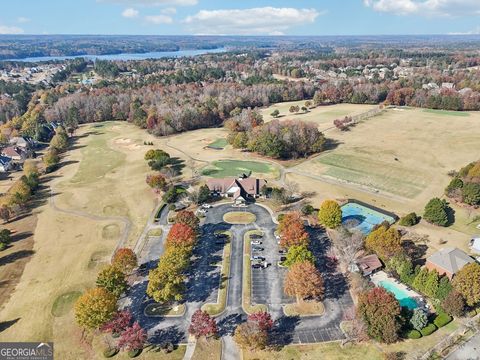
x=401, y=295
x=363, y=218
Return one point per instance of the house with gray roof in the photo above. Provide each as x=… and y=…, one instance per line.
x=448, y=261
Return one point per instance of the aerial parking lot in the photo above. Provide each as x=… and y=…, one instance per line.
x=257, y=241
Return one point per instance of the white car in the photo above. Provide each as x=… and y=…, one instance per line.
x=202, y=211
x=256, y=242
x=206, y=206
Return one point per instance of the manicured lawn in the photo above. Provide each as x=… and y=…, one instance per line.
x=225, y=168
x=210, y=349
x=304, y=308
x=247, y=277
x=239, y=217
x=217, y=308
x=218, y=144
x=327, y=351
x=64, y=303
x=446, y=112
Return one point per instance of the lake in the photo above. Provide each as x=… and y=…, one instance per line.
x=126, y=56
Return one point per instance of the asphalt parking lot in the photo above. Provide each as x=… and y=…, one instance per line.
x=267, y=284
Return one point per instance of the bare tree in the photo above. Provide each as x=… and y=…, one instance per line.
x=347, y=244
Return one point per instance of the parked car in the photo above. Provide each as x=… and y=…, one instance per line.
x=221, y=235
x=256, y=242
x=256, y=257
x=282, y=251
x=202, y=211
x=262, y=265
x=206, y=206
x=256, y=236
x=257, y=248
x=283, y=258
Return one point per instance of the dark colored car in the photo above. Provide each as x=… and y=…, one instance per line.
x=257, y=248
x=282, y=251
x=256, y=236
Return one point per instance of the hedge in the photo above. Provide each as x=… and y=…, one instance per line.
x=409, y=220
x=442, y=320
x=414, y=334
x=427, y=330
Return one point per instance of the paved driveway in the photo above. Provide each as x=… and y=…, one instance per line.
x=468, y=351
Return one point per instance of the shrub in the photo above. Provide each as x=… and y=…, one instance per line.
x=280, y=217
x=134, y=353
x=442, y=320
x=455, y=184
x=409, y=220
x=429, y=329
x=414, y=334
x=436, y=212
x=308, y=209
x=108, y=353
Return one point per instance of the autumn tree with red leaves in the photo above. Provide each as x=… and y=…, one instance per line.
x=133, y=338
x=125, y=260
x=380, y=312
x=292, y=230
x=181, y=235
x=303, y=280
x=202, y=324
x=157, y=182
x=188, y=218
x=119, y=323
x=263, y=319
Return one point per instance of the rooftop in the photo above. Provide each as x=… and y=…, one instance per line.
x=450, y=259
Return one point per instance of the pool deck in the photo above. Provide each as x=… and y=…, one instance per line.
x=382, y=276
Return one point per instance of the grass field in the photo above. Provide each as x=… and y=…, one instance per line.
x=321, y=115
x=69, y=248
x=210, y=349
x=447, y=113
x=406, y=153
x=225, y=168
x=330, y=351
x=218, y=144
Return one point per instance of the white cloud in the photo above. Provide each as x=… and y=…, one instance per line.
x=9, y=30
x=130, y=13
x=23, y=20
x=152, y=2
x=158, y=19
x=426, y=7
x=169, y=11
x=265, y=20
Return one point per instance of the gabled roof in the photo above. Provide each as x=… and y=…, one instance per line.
x=369, y=263
x=251, y=186
x=450, y=259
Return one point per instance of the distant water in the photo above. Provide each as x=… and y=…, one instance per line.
x=126, y=56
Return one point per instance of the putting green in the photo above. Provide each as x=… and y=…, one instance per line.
x=224, y=168
x=218, y=144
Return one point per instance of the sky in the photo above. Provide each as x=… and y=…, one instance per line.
x=244, y=17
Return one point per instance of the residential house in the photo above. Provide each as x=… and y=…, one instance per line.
x=15, y=153
x=369, y=264
x=239, y=189
x=23, y=142
x=5, y=164
x=448, y=261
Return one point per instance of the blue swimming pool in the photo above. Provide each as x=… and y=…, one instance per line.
x=363, y=218
x=401, y=295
